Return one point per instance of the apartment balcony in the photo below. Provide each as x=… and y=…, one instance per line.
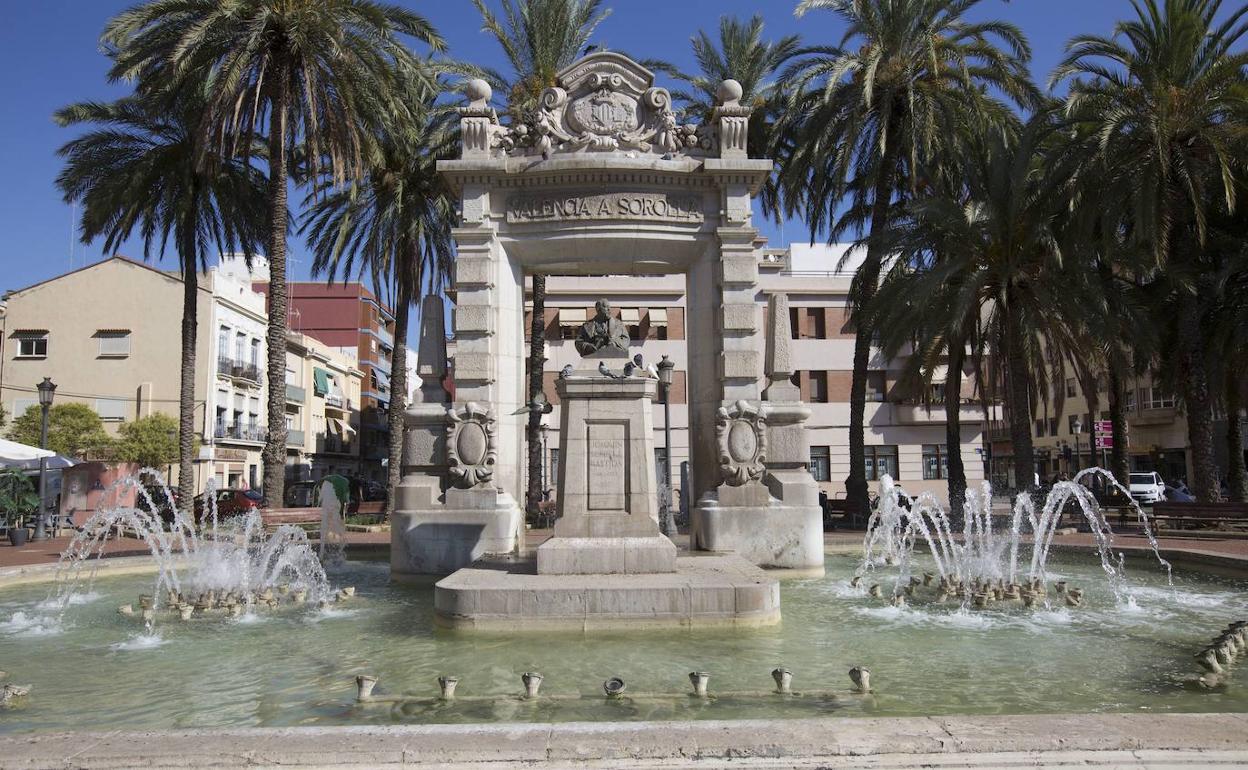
x=372, y=417
x=294, y=438
x=337, y=401
x=336, y=446
x=384, y=336
x=920, y=414
x=238, y=370
x=241, y=432
x=296, y=394
x=1163, y=416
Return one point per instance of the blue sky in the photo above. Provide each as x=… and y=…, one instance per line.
x=50, y=50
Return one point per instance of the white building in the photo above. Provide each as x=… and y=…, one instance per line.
x=904, y=438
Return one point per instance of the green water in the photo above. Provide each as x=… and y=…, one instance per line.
x=296, y=666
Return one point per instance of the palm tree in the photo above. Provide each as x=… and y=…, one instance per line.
x=315, y=76
x=138, y=169
x=741, y=54
x=393, y=226
x=992, y=264
x=907, y=75
x=539, y=38
x=1164, y=97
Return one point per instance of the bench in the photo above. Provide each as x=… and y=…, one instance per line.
x=275, y=517
x=1197, y=515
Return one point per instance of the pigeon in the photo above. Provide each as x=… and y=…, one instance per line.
x=589, y=49
x=538, y=404
x=628, y=368
x=652, y=371
x=565, y=372
x=605, y=372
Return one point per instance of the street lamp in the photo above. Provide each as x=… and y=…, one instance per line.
x=1077, y=428
x=665, y=368
x=47, y=390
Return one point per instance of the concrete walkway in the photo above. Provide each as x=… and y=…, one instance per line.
x=1116, y=740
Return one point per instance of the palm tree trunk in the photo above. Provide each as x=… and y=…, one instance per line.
x=186, y=392
x=1118, y=419
x=398, y=393
x=1236, y=474
x=1196, y=397
x=868, y=279
x=275, y=446
x=537, y=362
x=953, y=429
x=1019, y=390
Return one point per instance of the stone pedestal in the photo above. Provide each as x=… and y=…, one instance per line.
x=608, y=503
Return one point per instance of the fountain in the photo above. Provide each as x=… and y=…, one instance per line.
x=980, y=565
x=232, y=564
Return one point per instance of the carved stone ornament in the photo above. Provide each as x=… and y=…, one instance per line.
x=605, y=102
x=471, y=450
x=741, y=430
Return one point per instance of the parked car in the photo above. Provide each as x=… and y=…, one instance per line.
x=1148, y=488
x=307, y=494
x=230, y=502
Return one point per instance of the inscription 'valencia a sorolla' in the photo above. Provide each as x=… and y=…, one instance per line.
x=619, y=205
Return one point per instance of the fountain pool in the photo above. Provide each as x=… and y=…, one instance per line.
x=95, y=669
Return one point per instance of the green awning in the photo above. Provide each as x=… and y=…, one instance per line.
x=320, y=381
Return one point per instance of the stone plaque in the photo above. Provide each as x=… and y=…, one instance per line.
x=620, y=205
x=606, y=447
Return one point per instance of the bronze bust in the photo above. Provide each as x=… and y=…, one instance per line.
x=604, y=331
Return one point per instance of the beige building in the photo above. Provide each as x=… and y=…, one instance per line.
x=109, y=336
x=323, y=387
x=904, y=438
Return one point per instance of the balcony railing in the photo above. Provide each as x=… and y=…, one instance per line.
x=240, y=432
x=296, y=394
x=294, y=438
x=240, y=370
x=335, y=445
x=385, y=336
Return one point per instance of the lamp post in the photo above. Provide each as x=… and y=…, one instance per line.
x=1077, y=428
x=545, y=457
x=665, y=368
x=47, y=390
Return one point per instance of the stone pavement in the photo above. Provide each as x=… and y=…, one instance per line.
x=1085, y=740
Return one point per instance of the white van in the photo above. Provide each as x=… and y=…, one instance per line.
x=1148, y=487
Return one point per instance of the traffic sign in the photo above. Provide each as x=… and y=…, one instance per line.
x=1105, y=427
x=1104, y=442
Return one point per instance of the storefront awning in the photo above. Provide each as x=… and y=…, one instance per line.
x=630, y=315
x=658, y=316
x=383, y=379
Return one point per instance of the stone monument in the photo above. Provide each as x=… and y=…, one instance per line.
x=602, y=179
x=608, y=497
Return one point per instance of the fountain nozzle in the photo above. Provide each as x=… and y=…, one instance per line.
x=784, y=680
x=364, y=684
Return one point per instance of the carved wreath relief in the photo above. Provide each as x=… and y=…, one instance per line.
x=470, y=446
x=742, y=433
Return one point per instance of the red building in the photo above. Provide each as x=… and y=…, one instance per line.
x=350, y=317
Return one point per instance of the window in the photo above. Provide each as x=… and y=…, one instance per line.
x=32, y=344
x=20, y=405
x=875, y=386
x=114, y=343
x=240, y=343
x=112, y=409
x=1129, y=400
x=255, y=353
x=881, y=460
x=223, y=341
x=821, y=463
x=657, y=318
x=1039, y=428
x=1155, y=398
x=1052, y=426
x=935, y=462
x=936, y=393
x=819, y=387
x=1070, y=387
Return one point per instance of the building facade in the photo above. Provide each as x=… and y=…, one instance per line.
x=905, y=438
x=349, y=318
x=323, y=387
x=109, y=336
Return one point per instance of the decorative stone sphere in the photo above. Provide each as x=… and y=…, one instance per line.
x=729, y=91
x=479, y=91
